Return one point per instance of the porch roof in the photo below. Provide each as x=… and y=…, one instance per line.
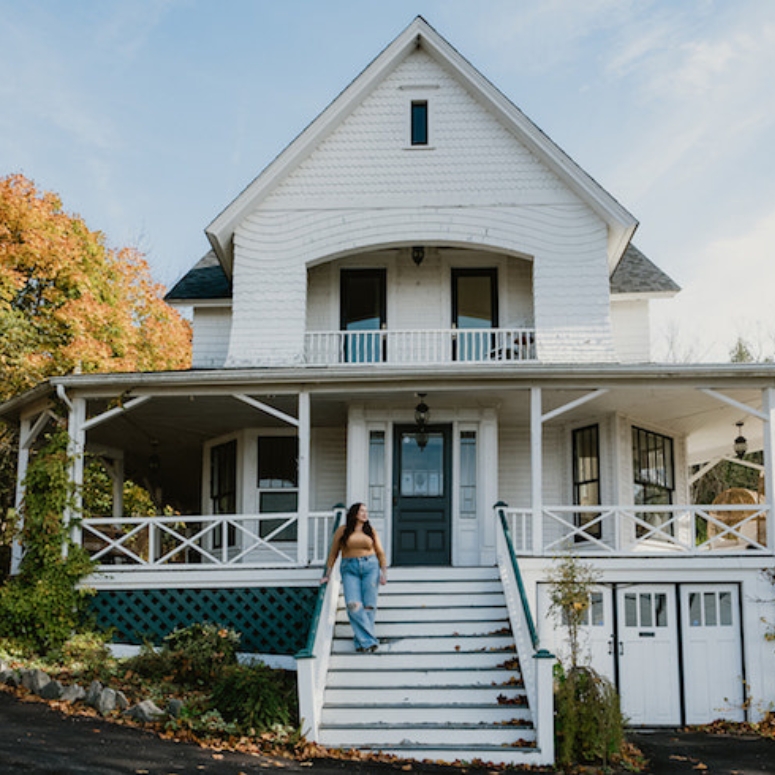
x=665, y=396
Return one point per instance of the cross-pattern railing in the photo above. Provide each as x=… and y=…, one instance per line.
x=626, y=530
x=223, y=540
x=465, y=345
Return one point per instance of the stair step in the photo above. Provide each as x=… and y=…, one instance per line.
x=503, y=644
x=450, y=614
x=427, y=628
x=425, y=713
x=415, y=661
x=435, y=587
x=493, y=677
x=525, y=755
x=440, y=600
x=380, y=735
x=436, y=573
x=447, y=695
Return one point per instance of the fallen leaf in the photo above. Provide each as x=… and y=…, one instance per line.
x=217, y=756
x=700, y=766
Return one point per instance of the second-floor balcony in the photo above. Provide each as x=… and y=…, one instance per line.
x=430, y=346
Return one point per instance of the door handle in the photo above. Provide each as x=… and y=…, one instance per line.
x=621, y=648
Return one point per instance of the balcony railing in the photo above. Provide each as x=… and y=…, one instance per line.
x=213, y=541
x=628, y=530
x=465, y=345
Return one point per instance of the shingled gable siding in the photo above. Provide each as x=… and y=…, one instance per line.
x=364, y=186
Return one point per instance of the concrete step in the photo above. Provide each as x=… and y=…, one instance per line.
x=451, y=643
x=428, y=714
x=438, y=677
x=425, y=628
x=454, y=694
x=382, y=735
x=414, y=661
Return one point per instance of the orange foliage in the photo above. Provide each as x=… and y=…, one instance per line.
x=69, y=303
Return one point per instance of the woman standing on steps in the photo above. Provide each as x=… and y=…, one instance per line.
x=364, y=568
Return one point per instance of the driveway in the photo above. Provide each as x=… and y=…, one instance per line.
x=35, y=739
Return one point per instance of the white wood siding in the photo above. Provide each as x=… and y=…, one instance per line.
x=212, y=328
x=476, y=186
x=328, y=473
x=630, y=322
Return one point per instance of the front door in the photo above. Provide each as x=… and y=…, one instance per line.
x=421, y=496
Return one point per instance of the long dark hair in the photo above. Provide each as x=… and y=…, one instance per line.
x=352, y=521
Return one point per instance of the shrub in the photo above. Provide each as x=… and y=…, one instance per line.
x=256, y=698
x=200, y=652
x=588, y=719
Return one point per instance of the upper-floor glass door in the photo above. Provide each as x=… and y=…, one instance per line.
x=363, y=314
x=474, y=306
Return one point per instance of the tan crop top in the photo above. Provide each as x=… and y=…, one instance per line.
x=358, y=545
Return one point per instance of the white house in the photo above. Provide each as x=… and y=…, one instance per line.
x=425, y=305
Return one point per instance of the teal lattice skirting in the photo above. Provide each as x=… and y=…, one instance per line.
x=272, y=620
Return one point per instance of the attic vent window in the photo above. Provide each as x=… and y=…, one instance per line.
x=419, y=122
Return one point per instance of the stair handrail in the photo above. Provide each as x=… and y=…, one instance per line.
x=536, y=671
x=312, y=660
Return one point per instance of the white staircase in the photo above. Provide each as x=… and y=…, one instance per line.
x=445, y=683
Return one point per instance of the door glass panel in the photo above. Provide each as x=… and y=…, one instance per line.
x=695, y=611
x=363, y=314
x=422, y=469
x=278, y=481
x=725, y=609
x=646, y=619
x=710, y=609
x=660, y=601
x=630, y=610
x=596, y=609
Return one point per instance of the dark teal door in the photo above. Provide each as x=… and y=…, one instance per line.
x=421, y=496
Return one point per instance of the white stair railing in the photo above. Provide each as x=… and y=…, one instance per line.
x=536, y=663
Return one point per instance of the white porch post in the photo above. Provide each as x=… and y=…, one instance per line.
x=536, y=469
x=21, y=473
x=302, y=528
x=768, y=405
x=75, y=429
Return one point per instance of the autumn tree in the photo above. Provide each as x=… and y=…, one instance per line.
x=69, y=303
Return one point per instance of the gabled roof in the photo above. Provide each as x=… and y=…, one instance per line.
x=419, y=33
x=636, y=274
x=205, y=281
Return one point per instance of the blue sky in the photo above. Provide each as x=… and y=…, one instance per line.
x=149, y=116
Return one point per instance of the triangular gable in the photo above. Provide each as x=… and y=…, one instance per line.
x=637, y=275
x=621, y=224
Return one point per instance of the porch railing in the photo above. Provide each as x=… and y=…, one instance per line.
x=465, y=345
x=627, y=530
x=215, y=541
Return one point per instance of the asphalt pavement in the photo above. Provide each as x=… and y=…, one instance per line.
x=36, y=739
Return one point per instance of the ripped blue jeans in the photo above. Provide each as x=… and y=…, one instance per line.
x=360, y=580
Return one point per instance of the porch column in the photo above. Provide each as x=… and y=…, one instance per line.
x=536, y=469
x=302, y=526
x=21, y=472
x=76, y=419
x=768, y=406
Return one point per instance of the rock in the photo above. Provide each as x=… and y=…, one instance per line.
x=146, y=711
x=10, y=677
x=122, y=703
x=106, y=702
x=53, y=690
x=174, y=707
x=34, y=680
x=93, y=694
x=73, y=693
